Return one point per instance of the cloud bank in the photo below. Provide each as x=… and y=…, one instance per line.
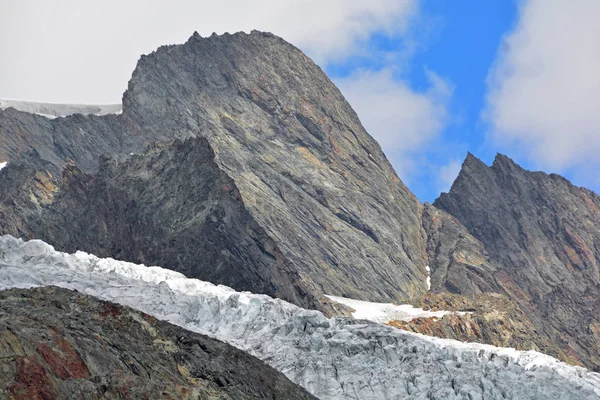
x=544, y=90
x=84, y=52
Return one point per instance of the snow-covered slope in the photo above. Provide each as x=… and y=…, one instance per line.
x=50, y=110
x=386, y=312
x=332, y=358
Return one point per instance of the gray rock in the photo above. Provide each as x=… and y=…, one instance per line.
x=542, y=235
x=322, y=200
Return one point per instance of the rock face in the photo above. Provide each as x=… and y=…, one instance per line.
x=56, y=343
x=542, y=235
x=459, y=262
x=305, y=197
x=490, y=318
x=171, y=206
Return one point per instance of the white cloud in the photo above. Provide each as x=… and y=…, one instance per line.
x=401, y=119
x=84, y=52
x=544, y=89
x=447, y=174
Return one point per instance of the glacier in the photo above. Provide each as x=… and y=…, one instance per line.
x=337, y=358
x=52, y=110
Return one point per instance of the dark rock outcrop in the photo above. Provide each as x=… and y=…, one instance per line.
x=542, y=235
x=57, y=343
x=314, y=193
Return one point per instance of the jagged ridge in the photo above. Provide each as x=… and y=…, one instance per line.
x=542, y=235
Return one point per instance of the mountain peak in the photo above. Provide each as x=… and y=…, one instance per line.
x=540, y=232
x=285, y=170
x=473, y=163
x=506, y=164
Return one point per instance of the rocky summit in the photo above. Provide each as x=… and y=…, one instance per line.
x=541, y=237
x=234, y=159
x=306, y=199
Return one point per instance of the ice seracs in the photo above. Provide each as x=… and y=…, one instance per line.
x=51, y=110
x=335, y=358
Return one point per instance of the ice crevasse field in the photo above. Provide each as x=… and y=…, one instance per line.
x=337, y=358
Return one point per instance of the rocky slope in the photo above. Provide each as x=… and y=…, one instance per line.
x=56, y=343
x=320, y=208
x=489, y=318
x=542, y=238
x=334, y=358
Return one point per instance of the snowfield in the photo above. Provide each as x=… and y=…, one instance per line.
x=51, y=110
x=334, y=358
x=385, y=312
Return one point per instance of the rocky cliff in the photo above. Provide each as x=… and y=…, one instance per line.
x=319, y=208
x=57, y=343
x=542, y=238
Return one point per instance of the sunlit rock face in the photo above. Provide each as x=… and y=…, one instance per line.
x=306, y=199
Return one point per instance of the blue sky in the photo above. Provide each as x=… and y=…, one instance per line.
x=458, y=40
x=430, y=79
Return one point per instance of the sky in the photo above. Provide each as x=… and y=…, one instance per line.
x=430, y=79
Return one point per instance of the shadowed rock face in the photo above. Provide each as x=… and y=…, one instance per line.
x=57, y=343
x=542, y=235
x=172, y=206
x=319, y=200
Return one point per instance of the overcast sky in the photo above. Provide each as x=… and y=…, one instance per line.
x=430, y=79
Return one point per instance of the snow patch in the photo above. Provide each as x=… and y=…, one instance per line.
x=52, y=111
x=3, y=164
x=336, y=358
x=385, y=312
x=428, y=279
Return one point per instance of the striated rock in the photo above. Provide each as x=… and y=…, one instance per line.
x=541, y=234
x=458, y=261
x=171, y=206
x=57, y=343
x=321, y=210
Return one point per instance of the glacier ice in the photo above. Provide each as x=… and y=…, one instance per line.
x=336, y=358
x=51, y=110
